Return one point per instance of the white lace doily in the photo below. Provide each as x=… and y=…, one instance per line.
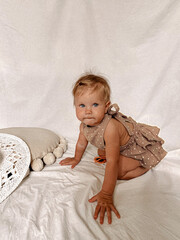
x=14, y=163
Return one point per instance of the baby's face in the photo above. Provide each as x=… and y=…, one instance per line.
x=90, y=107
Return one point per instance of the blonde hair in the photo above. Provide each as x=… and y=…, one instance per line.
x=95, y=82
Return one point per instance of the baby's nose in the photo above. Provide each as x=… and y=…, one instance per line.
x=88, y=110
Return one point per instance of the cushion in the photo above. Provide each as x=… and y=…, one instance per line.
x=39, y=140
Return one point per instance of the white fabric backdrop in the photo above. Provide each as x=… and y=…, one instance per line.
x=46, y=45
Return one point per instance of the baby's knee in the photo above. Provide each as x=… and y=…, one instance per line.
x=121, y=175
x=134, y=173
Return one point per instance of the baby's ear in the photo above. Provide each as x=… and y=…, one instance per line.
x=107, y=106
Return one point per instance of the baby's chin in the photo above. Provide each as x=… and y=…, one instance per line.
x=90, y=122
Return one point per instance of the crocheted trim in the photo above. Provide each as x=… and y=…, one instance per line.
x=14, y=163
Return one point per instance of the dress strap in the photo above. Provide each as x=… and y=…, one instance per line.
x=113, y=109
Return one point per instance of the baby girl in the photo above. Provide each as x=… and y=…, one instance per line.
x=130, y=149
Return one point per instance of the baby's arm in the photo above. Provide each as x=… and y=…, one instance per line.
x=80, y=148
x=105, y=196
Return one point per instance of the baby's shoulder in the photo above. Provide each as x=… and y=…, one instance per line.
x=114, y=126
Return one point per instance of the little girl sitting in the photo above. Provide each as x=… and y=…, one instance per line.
x=129, y=148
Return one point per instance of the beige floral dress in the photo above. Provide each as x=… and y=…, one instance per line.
x=144, y=144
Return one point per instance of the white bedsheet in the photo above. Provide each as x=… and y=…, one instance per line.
x=44, y=47
x=53, y=204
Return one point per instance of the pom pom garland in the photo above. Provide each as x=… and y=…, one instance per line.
x=50, y=158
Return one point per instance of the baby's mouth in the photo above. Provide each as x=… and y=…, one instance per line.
x=88, y=118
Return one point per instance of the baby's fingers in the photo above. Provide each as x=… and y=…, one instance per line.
x=93, y=199
x=97, y=210
x=108, y=209
x=73, y=165
x=63, y=162
x=102, y=213
x=115, y=211
x=66, y=161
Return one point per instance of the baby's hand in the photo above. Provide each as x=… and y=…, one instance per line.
x=104, y=204
x=69, y=161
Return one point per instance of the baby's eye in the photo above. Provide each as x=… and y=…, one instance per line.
x=95, y=104
x=82, y=105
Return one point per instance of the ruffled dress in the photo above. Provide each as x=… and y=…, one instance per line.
x=144, y=144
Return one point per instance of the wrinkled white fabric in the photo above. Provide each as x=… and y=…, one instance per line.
x=44, y=47
x=53, y=204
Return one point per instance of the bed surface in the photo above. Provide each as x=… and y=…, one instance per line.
x=53, y=204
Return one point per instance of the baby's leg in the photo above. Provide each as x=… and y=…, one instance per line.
x=130, y=168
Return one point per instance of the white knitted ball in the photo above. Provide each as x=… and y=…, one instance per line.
x=37, y=165
x=63, y=146
x=49, y=159
x=63, y=140
x=58, y=152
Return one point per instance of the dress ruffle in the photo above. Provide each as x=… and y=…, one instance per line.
x=144, y=144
